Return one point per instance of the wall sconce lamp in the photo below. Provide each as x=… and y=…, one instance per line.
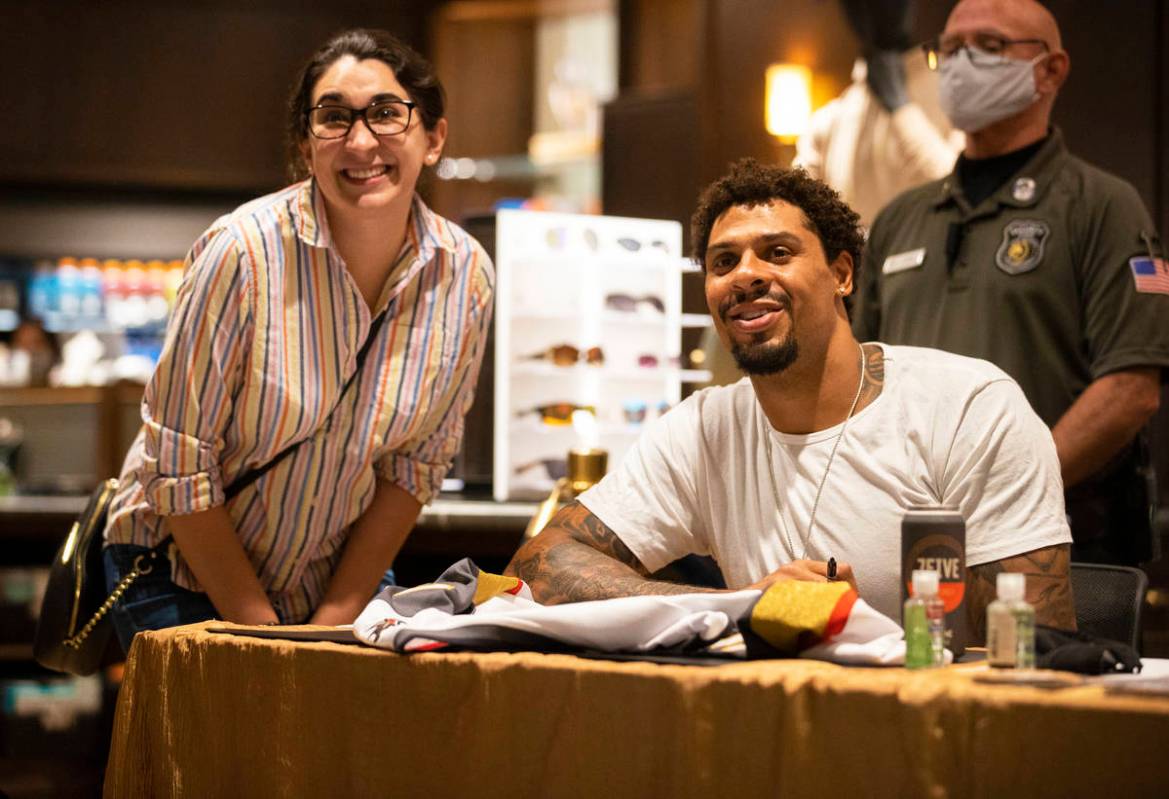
x=788, y=103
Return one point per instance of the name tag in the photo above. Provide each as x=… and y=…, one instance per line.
x=910, y=259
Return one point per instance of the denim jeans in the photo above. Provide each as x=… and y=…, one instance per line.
x=153, y=601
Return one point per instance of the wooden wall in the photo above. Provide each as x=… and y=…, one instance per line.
x=487, y=64
x=166, y=95
x=1114, y=110
x=1114, y=107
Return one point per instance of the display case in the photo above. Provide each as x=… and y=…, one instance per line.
x=588, y=318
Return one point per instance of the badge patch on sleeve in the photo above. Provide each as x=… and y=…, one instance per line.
x=1151, y=275
x=1023, y=243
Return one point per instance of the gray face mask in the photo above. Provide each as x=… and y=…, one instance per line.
x=977, y=91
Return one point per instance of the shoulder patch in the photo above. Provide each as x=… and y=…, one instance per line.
x=1024, y=241
x=1150, y=275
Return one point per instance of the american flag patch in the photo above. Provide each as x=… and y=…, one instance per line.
x=1151, y=275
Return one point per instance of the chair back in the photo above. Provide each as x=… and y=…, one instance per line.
x=1108, y=601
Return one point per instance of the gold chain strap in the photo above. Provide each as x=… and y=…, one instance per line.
x=137, y=571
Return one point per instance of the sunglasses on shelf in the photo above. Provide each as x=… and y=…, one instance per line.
x=649, y=360
x=554, y=468
x=635, y=245
x=567, y=355
x=557, y=238
x=635, y=411
x=557, y=413
x=629, y=303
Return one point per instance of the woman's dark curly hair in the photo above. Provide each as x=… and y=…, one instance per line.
x=414, y=72
x=751, y=183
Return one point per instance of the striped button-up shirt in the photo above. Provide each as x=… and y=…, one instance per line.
x=265, y=332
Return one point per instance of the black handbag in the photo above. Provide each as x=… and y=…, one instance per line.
x=74, y=628
x=74, y=625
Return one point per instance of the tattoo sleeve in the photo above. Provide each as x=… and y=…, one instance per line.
x=578, y=558
x=874, y=379
x=1049, y=588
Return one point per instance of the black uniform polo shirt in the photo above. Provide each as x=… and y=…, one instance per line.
x=1043, y=278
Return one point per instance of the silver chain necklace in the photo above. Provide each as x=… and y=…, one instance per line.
x=823, y=478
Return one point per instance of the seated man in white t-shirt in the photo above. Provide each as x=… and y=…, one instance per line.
x=817, y=452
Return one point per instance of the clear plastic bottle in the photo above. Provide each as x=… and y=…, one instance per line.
x=1010, y=625
x=89, y=294
x=925, y=623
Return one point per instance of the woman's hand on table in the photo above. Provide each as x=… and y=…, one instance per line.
x=260, y=616
x=332, y=615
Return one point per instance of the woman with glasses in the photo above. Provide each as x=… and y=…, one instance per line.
x=331, y=334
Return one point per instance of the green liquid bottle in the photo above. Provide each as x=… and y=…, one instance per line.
x=925, y=623
x=1010, y=625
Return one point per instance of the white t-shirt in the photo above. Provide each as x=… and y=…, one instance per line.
x=946, y=429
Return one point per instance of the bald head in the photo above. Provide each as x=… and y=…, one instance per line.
x=1028, y=36
x=1012, y=19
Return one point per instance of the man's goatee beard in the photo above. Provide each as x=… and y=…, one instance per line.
x=766, y=359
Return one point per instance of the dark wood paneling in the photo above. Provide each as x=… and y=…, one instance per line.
x=654, y=166
x=163, y=94
x=745, y=36
x=719, y=53
x=1110, y=106
x=1161, y=134
x=24, y=57
x=488, y=68
x=652, y=28
x=1114, y=109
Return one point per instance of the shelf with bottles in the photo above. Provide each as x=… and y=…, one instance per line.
x=107, y=296
x=588, y=317
x=84, y=321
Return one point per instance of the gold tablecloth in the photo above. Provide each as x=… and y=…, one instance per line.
x=208, y=714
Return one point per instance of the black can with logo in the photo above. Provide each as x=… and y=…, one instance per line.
x=933, y=537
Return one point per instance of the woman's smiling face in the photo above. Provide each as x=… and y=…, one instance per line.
x=362, y=173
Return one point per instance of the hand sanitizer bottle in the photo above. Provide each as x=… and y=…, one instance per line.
x=1010, y=625
x=925, y=623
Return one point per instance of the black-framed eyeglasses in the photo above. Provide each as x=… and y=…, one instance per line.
x=383, y=118
x=984, y=49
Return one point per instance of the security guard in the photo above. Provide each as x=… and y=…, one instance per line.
x=1037, y=261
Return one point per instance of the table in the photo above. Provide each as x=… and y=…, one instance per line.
x=208, y=714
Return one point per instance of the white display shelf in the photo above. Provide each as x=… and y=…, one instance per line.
x=529, y=426
x=555, y=275
x=696, y=320
x=610, y=260
x=632, y=318
x=607, y=317
x=626, y=373
x=522, y=314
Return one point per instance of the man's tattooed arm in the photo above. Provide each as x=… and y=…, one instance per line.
x=577, y=558
x=1049, y=588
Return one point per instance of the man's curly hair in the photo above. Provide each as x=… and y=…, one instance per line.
x=751, y=183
